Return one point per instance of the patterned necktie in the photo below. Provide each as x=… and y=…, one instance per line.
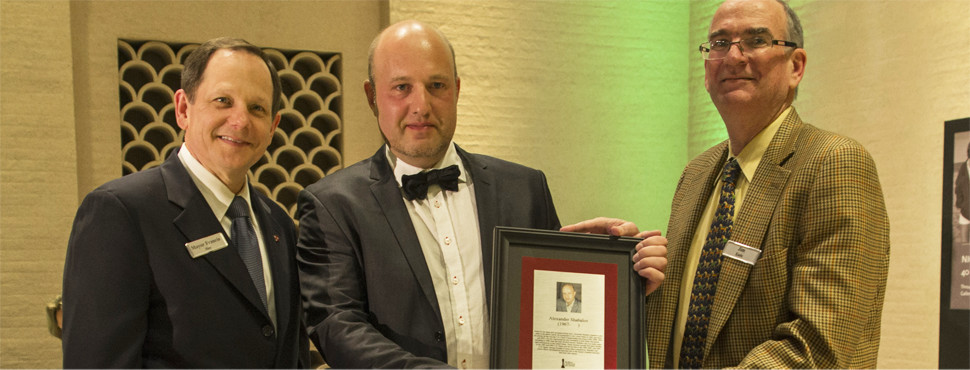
x=705, y=281
x=416, y=186
x=244, y=238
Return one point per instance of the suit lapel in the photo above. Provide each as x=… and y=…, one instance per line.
x=197, y=221
x=489, y=207
x=274, y=238
x=751, y=225
x=387, y=193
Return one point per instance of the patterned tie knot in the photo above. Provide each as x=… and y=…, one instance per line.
x=238, y=208
x=416, y=186
x=731, y=172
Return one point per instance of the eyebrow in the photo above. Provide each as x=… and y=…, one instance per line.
x=749, y=31
x=436, y=77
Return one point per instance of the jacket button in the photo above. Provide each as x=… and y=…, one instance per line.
x=268, y=331
x=439, y=336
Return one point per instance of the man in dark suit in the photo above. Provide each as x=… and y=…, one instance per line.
x=780, y=259
x=395, y=251
x=184, y=265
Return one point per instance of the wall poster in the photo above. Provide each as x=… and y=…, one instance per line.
x=955, y=264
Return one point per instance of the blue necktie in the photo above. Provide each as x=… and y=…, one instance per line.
x=708, y=269
x=244, y=238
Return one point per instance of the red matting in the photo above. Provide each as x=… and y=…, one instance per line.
x=529, y=265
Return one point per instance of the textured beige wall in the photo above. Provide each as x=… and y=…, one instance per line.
x=889, y=74
x=60, y=126
x=38, y=189
x=590, y=92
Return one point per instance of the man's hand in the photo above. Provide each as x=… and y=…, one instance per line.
x=604, y=225
x=650, y=259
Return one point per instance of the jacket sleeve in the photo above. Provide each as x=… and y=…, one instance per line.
x=106, y=287
x=551, y=218
x=335, y=295
x=838, y=263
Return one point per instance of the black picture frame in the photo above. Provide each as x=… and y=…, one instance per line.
x=954, y=264
x=512, y=246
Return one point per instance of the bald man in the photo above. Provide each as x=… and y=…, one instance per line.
x=396, y=273
x=395, y=251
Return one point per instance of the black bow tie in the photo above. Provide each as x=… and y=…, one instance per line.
x=416, y=186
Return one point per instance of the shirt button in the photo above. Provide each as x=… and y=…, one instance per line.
x=437, y=203
x=447, y=240
x=454, y=280
x=461, y=320
x=464, y=364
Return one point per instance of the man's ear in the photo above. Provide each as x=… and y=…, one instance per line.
x=181, y=109
x=276, y=123
x=707, y=81
x=798, y=59
x=457, y=87
x=371, y=96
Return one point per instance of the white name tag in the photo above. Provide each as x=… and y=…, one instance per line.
x=207, y=244
x=741, y=252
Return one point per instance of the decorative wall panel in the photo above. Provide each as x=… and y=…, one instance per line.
x=306, y=146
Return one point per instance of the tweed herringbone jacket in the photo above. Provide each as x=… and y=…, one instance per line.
x=814, y=298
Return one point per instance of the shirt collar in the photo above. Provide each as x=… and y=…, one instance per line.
x=750, y=156
x=216, y=194
x=402, y=168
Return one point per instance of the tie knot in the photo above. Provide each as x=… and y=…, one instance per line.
x=731, y=171
x=416, y=186
x=238, y=208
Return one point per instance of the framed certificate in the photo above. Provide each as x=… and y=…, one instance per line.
x=565, y=300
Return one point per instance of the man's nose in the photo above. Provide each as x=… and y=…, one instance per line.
x=733, y=55
x=239, y=116
x=420, y=101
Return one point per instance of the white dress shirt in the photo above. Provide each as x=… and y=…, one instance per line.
x=446, y=223
x=219, y=197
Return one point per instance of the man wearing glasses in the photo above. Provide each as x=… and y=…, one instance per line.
x=778, y=237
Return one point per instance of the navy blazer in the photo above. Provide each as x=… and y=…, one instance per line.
x=367, y=289
x=134, y=297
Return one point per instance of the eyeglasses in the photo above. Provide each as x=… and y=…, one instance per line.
x=719, y=49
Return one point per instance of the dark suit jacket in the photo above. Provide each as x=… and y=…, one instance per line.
x=368, y=293
x=134, y=297
x=561, y=305
x=814, y=298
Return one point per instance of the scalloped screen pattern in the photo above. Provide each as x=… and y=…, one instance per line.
x=306, y=146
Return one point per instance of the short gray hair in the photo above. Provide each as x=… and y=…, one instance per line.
x=795, y=33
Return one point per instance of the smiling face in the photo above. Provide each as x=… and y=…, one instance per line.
x=568, y=293
x=228, y=122
x=754, y=80
x=414, y=93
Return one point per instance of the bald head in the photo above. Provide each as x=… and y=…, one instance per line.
x=412, y=88
x=407, y=29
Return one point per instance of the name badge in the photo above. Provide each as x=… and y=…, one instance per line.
x=207, y=244
x=741, y=252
